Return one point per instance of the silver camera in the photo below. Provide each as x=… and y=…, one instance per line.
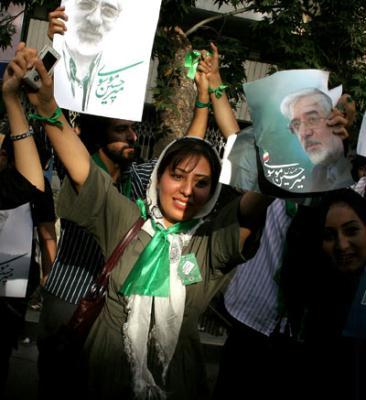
x=49, y=57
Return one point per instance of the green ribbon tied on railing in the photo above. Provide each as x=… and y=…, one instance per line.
x=53, y=119
x=191, y=62
x=151, y=272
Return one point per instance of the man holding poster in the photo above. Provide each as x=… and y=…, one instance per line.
x=95, y=78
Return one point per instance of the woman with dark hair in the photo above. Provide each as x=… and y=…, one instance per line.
x=21, y=182
x=145, y=343
x=325, y=290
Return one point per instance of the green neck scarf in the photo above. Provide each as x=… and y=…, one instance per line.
x=150, y=274
x=96, y=158
x=126, y=183
x=126, y=186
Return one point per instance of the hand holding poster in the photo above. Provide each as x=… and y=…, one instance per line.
x=298, y=149
x=105, y=56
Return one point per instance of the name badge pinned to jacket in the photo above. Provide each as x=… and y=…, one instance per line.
x=188, y=269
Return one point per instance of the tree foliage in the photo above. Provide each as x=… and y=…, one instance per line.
x=7, y=28
x=325, y=34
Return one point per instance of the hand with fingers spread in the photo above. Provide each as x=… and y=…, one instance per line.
x=338, y=122
x=56, y=22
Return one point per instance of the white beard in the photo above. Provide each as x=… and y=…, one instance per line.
x=329, y=153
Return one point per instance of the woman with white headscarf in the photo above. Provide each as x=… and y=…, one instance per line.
x=145, y=343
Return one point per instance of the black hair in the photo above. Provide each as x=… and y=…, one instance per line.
x=7, y=145
x=347, y=196
x=93, y=131
x=357, y=163
x=191, y=147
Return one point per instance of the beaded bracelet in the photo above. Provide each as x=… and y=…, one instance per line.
x=22, y=135
x=200, y=104
x=218, y=91
x=53, y=119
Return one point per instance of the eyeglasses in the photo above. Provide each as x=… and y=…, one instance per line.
x=310, y=121
x=108, y=11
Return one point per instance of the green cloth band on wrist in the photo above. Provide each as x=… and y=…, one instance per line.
x=200, y=104
x=53, y=119
x=218, y=91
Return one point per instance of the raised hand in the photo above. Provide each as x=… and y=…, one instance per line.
x=210, y=65
x=343, y=116
x=16, y=70
x=56, y=22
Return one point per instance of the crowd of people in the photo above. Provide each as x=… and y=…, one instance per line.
x=292, y=271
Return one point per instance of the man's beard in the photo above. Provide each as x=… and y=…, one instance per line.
x=329, y=153
x=118, y=158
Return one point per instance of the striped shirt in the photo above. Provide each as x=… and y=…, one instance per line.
x=252, y=295
x=79, y=258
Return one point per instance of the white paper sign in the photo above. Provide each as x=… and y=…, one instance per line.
x=105, y=56
x=361, y=143
x=15, y=250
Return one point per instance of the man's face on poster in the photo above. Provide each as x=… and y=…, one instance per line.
x=89, y=23
x=309, y=124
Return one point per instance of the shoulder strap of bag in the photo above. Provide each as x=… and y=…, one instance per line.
x=102, y=280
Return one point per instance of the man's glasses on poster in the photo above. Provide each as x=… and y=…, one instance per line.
x=108, y=11
x=311, y=121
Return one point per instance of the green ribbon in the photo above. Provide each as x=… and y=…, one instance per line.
x=218, y=91
x=141, y=205
x=100, y=162
x=126, y=186
x=291, y=208
x=191, y=62
x=150, y=274
x=53, y=119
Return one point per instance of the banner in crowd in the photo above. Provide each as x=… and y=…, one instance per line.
x=105, y=56
x=16, y=233
x=290, y=146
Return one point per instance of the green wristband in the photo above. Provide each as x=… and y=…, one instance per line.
x=53, y=119
x=200, y=104
x=218, y=91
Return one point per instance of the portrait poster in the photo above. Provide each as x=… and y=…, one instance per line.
x=297, y=151
x=105, y=56
x=361, y=141
x=16, y=233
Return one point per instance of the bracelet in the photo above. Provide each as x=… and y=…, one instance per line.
x=22, y=135
x=218, y=91
x=53, y=119
x=200, y=104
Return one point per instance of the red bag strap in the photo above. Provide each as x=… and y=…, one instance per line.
x=102, y=280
